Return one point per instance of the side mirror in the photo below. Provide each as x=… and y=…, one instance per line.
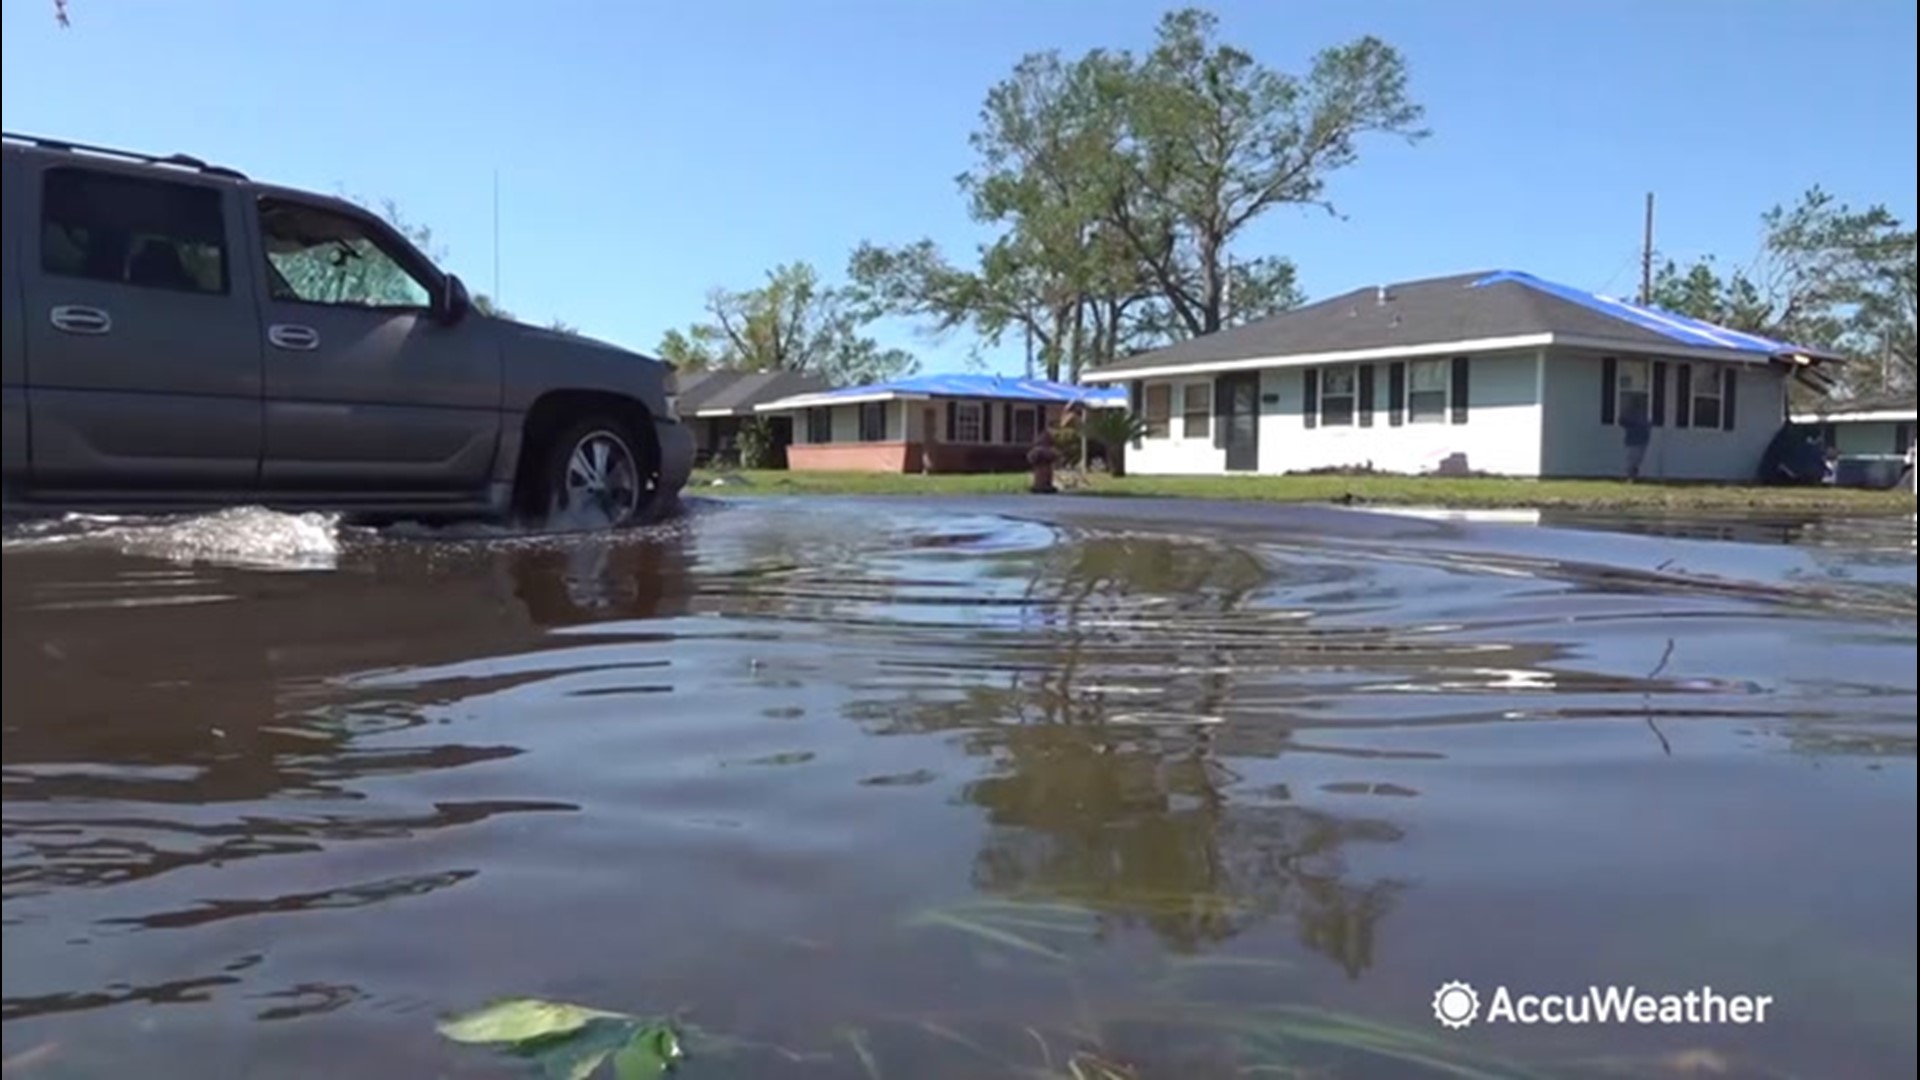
x=454, y=302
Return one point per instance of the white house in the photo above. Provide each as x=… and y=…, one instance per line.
x=1498, y=372
x=1865, y=427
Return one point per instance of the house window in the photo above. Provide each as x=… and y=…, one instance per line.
x=1634, y=390
x=151, y=234
x=1026, y=425
x=1428, y=382
x=1337, y=396
x=873, y=421
x=966, y=423
x=820, y=425
x=1196, y=410
x=1704, y=409
x=1159, y=411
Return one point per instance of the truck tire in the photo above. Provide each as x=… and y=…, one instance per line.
x=597, y=472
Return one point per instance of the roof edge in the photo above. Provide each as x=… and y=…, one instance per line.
x=1467, y=346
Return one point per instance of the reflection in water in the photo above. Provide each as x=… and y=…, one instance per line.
x=1859, y=538
x=1141, y=832
x=732, y=764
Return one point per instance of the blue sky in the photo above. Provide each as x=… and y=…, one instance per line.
x=648, y=151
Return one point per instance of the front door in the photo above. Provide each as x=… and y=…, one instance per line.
x=1239, y=397
x=366, y=392
x=779, y=437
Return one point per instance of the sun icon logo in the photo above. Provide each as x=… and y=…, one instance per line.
x=1455, y=1005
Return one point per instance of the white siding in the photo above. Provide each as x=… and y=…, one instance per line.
x=1865, y=437
x=846, y=421
x=1501, y=435
x=1577, y=444
x=906, y=420
x=1176, y=455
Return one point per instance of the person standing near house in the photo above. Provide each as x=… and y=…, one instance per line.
x=1639, y=432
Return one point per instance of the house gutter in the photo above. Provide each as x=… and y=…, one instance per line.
x=1470, y=346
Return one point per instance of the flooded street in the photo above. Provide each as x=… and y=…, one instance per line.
x=955, y=788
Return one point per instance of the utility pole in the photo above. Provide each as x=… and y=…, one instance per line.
x=1646, y=255
x=1028, y=327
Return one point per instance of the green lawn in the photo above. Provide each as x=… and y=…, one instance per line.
x=1428, y=491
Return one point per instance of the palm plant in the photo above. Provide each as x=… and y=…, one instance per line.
x=1114, y=430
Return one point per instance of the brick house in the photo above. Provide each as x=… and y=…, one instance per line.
x=928, y=423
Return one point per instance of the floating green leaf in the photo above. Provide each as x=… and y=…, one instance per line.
x=518, y=1020
x=651, y=1053
x=575, y=1055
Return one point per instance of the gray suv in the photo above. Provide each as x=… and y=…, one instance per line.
x=179, y=337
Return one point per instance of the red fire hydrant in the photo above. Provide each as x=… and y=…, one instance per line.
x=1042, y=457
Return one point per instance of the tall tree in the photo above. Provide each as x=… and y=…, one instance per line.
x=1826, y=275
x=1218, y=140
x=793, y=322
x=1120, y=185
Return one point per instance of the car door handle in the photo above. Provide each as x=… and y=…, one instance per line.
x=76, y=319
x=297, y=338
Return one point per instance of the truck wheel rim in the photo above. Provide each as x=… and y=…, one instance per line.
x=601, y=472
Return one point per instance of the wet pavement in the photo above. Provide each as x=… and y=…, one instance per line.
x=955, y=787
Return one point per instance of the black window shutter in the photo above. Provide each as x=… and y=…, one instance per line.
x=1609, y=381
x=1396, y=392
x=1310, y=396
x=1220, y=385
x=1136, y=396
x=1006, y=422
x=1902, y=438
x=1366, y=394
x=1732, y=376
x=953, y=420
x=1659, y=403
x=1462, y=393
x=986, y=422
x=1682, y=395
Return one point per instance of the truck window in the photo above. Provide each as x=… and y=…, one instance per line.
x=152, y=234
x=317, y=256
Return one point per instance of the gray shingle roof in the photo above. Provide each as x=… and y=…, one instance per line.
x=1432, y=311
x=696, y=386
x=739, y=391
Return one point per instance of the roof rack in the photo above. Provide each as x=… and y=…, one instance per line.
x=178, y=161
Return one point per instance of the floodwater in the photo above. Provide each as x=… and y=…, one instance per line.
x=952, y=788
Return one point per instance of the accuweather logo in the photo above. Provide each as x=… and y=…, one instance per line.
x=1457, y=1005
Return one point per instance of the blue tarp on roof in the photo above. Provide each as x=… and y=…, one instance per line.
x=983, y=386
x=1681, y=328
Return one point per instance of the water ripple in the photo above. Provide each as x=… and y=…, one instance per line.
x=803, y=765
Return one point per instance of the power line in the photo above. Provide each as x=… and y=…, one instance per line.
x=1646, y=256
